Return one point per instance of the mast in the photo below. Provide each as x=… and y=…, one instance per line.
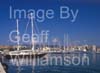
x=31, y=16
x=17, y=35
x=67, y=42
x=64, y=43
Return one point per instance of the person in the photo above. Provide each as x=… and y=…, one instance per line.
x=0, y=57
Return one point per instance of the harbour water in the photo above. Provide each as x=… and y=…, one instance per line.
x=60, y=63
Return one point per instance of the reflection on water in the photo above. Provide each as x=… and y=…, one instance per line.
x=57, y=63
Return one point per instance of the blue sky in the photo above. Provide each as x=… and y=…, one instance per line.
x=86, y=26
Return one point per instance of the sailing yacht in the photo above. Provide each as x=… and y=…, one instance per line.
x=25, y=53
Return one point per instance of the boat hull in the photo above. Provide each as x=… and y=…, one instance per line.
x=25, y=56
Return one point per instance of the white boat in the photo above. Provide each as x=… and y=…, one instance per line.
x=24, y=53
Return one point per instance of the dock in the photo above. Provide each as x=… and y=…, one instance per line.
x=2, y=69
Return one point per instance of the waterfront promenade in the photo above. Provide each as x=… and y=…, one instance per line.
x=2, y=69
x=1, y=66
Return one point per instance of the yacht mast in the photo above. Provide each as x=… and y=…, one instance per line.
x=31, y=16
x=17, y=35
x=65, y=43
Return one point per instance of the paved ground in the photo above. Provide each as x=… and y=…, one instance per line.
x=2, y=69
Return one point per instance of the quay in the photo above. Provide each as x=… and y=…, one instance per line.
x=1, y=68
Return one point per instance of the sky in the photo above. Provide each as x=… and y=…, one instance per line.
x=86, y=26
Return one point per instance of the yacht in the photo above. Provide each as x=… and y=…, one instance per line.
x=24, y=53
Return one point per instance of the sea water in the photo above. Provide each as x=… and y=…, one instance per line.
x=58, y=63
